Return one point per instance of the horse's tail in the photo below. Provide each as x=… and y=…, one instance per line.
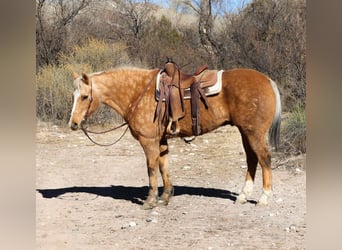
x=274, y=131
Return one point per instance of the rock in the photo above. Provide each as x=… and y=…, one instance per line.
x=130, y=224
x=151, y=219
x=280, y=200
x=152, y=216
x=292, y=228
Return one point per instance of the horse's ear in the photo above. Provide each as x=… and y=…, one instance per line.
x=75, y=75
x=85, y=78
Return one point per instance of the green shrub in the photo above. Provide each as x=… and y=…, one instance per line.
x=294, y=132
x=54, y=82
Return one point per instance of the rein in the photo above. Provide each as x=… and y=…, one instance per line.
x=87, y=132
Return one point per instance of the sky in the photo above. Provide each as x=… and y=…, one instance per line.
x=227, y=5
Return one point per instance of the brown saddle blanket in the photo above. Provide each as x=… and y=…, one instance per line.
x=173, y=86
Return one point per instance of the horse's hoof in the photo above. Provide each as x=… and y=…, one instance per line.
x=148, y=205
x=261, y=204
x=241, y=199
x=263, y=201
x=162, y=202
x=165, y=197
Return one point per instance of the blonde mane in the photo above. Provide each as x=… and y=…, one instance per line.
x=119, y=68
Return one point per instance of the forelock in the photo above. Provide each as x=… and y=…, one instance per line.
x=77, y=82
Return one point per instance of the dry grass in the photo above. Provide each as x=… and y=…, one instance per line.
x=54, y=82
x=294, y=132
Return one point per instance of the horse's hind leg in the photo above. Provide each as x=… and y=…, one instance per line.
x=252, y=162
x=163, y=167
x=256, y=142
x=265, y=163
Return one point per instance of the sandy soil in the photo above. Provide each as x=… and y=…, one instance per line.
x=89, y=197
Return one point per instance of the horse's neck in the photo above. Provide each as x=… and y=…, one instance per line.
x=122, y=89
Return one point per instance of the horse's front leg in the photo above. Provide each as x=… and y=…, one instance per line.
x=151, y=149
x=164, y=171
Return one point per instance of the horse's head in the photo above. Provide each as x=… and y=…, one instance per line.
x=84, y=101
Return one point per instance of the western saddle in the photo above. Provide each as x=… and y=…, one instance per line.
x=175, y=86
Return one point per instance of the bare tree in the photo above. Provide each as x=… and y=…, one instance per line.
x=132, y=20
x=203, y=8
x=269, y=35
x=52, y=20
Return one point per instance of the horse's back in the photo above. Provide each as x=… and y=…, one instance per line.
x=248, y=80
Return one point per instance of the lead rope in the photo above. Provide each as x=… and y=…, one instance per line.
x=86, y=132
x=101, y=144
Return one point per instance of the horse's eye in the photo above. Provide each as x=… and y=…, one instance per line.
x=84, y=97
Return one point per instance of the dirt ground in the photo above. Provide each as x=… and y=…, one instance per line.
x=89, y=197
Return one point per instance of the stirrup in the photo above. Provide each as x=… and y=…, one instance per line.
x=171, y=129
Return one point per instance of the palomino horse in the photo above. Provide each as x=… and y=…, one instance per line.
x=248, y=100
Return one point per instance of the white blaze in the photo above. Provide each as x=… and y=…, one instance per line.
x=76, y=96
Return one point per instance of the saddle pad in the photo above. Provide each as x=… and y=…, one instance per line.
x=212, y=90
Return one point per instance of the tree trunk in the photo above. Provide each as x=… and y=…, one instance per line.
x=205, y=27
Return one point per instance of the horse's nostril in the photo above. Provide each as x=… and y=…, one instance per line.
x=74, y=126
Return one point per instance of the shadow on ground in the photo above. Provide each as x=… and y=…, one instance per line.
x=136, y=194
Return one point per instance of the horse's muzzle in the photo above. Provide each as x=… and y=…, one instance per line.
x=74, y=125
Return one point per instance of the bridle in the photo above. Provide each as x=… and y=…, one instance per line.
x=87, y=132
